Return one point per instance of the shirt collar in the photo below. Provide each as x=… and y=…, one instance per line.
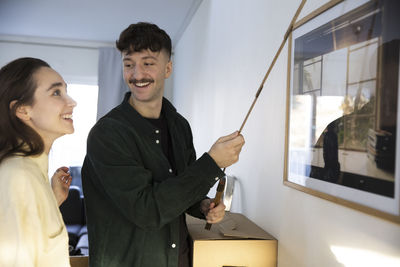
x=135, y=118
x=166, y=105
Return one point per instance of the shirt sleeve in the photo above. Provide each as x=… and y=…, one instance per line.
x=119, y=173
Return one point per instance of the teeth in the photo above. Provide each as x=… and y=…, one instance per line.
x=142, y=84
x=67, y=116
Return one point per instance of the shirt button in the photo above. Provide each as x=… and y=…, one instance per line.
x=157, y=141
x=173, y=245
x=170, y=170
x=157, y=131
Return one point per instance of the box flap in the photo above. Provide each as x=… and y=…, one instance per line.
x=79, y=261
x=233, y=226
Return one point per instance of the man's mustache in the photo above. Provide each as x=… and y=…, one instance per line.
x=141, y=81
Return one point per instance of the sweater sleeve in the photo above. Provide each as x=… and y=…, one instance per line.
x=194, y=210
x=116, y=170
x=19, y=224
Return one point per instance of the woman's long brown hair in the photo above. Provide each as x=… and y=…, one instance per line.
x=17, y=83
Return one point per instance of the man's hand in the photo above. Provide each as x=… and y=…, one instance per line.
x=214, y=214
x=60, y=183
x=225, y=151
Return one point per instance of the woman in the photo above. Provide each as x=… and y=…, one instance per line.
x=35, y=110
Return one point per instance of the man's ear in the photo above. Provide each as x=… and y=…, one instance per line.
x=21, y=112
x=168, y=69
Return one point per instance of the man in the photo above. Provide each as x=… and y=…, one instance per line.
x=140, y=174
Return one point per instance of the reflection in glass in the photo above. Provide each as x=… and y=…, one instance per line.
x=312, y=77
x=328, y=109
x=301, y=115
x=363, y=61
x=334, y=73
x=343, y=117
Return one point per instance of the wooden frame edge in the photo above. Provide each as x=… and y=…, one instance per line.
x=316, y=12
x=346, y=203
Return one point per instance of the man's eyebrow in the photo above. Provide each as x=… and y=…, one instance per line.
x=57, y=84
x=149, y=57
x=145, y=57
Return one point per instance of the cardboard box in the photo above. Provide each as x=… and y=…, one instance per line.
x=234, y=242
x=79, y=261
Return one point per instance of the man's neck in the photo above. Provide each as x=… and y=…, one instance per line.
x=151, y=110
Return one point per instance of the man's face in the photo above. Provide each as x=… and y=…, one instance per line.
x=145, y=73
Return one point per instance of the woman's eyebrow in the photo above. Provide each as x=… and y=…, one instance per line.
x=57, y=84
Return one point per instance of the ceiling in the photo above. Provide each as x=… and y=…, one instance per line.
x=92, y=20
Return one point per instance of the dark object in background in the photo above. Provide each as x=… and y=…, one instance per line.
x=381, y=149
x=73, y=213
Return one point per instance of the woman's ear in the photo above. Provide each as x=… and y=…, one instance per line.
x=21, y=111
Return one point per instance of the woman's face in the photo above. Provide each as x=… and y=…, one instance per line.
x=50, y=115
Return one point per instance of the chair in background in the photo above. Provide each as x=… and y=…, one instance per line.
x=75, y=172
x=73, y=213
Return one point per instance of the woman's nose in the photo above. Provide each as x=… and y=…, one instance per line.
x=71, y=102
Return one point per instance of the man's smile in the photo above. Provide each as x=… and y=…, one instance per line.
x=141, y=83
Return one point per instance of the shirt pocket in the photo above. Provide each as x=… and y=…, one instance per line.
x=56, y=239
x=54, y=230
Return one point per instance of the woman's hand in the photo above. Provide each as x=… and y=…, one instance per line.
x=60, y=183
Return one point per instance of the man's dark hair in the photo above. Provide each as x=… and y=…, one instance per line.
x=142, y=36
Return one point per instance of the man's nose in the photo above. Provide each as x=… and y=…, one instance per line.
x=137, y=72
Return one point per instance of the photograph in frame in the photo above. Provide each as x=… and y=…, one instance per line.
x=342, y=105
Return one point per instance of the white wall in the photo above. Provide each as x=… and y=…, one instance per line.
x=76, y=61
x=218, y=65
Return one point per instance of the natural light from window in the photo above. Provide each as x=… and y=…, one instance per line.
x=70, y=150
x=355, y=257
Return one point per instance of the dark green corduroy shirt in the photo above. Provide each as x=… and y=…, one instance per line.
x=133, y=199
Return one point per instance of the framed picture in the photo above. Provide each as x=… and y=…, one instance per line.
x=342, y=106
